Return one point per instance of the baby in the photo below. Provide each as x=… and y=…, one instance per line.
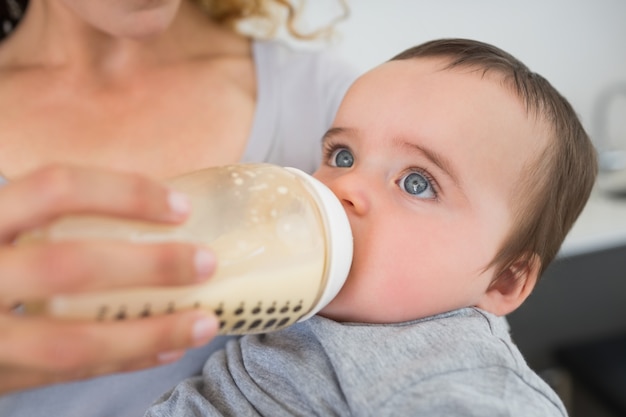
x=461, y=172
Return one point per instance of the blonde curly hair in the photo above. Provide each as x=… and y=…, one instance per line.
x=263, y=18
x=256, y=18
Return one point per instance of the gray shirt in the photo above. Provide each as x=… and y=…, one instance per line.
x=298, y=95
x=461, y=363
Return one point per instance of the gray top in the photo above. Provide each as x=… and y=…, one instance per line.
x=461, y=363
x=298, y=95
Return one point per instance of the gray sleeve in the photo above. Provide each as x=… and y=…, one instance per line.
x=261, y=376
x=491, y=391
x=446, y=366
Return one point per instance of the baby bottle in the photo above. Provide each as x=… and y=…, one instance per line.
x=282, y=240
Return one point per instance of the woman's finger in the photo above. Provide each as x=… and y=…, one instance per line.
x=36, y=271
x=70, y=350
x=54, y=191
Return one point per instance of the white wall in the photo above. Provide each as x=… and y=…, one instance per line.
x=578, y=45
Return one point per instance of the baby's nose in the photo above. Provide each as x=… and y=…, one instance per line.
x=352, y=190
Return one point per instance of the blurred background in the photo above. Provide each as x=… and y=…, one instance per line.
x=572, y=329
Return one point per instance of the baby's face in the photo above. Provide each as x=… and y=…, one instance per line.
x=425, y=162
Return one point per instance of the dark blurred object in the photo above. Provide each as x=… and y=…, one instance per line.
x=561, y=382
x=601, y=366
x=11, y=11
x=579, y=298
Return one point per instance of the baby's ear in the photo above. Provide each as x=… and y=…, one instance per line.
x=511, y=288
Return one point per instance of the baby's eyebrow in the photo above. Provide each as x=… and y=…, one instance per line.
x=337, y=131
x=436, y=158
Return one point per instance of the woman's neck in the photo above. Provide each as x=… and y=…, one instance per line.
x=52, y=37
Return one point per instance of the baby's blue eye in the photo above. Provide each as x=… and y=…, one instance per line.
x=418, y=185
x=342, y=158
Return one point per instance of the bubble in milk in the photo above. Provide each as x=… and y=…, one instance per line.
x=294, y=232
x=258, y=187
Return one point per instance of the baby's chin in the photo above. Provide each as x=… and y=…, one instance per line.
x=341, y=311
x=344, y=309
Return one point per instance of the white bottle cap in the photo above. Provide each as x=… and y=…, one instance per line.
x=339, y=245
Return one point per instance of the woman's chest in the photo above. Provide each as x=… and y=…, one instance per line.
x=156, y=128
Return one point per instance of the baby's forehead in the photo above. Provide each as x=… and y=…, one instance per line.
x=411, y=71
x=414, y=70
x=465, y=95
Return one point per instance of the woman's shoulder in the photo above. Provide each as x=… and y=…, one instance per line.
x=298, y=93
x=291, y=59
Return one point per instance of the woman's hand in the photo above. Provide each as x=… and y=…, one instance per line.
x=38, y=350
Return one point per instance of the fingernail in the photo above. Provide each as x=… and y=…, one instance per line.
x=203, y=330
x=171, y=356
x=204, y=262
x=179, y=204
